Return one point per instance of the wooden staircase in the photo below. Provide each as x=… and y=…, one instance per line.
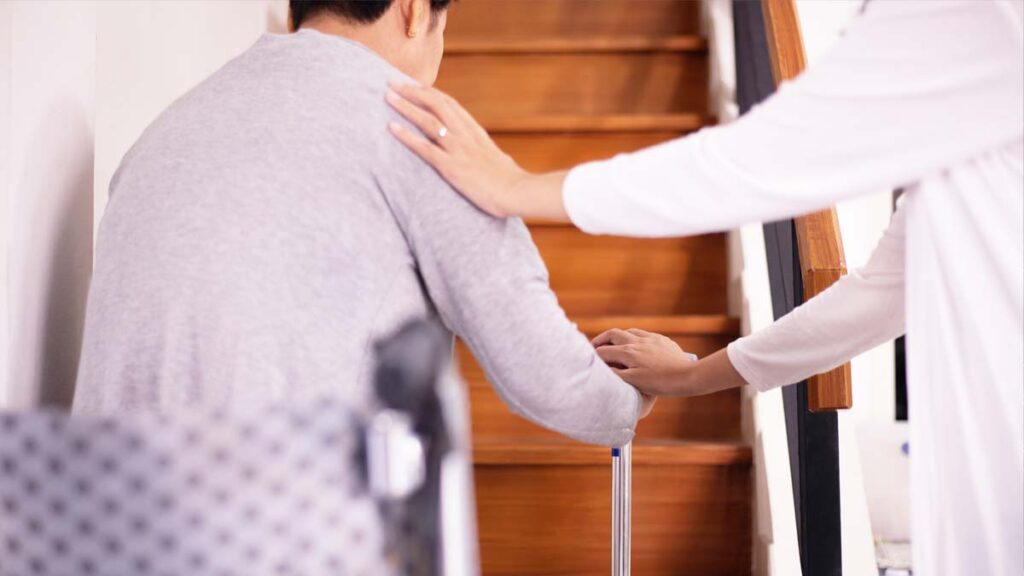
x=558, y=82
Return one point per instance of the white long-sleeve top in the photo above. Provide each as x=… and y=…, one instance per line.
x=924, y=95
x=866, y=307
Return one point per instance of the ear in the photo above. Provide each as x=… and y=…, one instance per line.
x=416, y=17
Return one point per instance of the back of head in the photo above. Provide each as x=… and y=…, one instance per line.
x=361, y=11
x=407, y=33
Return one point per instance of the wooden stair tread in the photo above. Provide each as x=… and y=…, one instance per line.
x=551, y=151
x=714, y=417
x=592, y=84
x=679, y=122
x=646, y=452
x=491, y=45
x=577, y=18
x=710, y=324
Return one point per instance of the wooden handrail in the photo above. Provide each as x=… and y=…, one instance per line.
x=571, y=45
x=819, y=241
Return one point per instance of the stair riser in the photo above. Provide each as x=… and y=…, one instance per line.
x=556, y=519
x=705, y=418
x=491, y=86
x=577, y=18
x=546, y=152
x=714, y=416
x=605, y=275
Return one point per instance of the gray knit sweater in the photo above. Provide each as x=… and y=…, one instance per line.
x=266, y=229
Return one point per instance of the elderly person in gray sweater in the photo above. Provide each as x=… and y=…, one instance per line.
x=266, y=229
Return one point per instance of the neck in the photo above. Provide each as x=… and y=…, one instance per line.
x=374, y=36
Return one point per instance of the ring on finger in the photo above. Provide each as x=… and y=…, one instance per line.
x=442, y=132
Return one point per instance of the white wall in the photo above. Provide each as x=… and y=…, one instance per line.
x=48, y=72
x=79, y=81
x=6, y=49
x=150, y=53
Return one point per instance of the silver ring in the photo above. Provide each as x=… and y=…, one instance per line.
x=442, y=132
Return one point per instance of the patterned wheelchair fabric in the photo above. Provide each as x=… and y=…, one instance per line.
x=278, y=491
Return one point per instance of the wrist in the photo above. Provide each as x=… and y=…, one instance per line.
x=517, y=190
x=532, y=195
x=683, y=378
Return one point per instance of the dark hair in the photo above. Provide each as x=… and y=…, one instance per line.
x=364, y=11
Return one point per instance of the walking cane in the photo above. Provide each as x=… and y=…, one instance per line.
x=622, y=480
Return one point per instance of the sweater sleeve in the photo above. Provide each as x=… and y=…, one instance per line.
x=894, y=101
x=862, y=310
x=489, y=285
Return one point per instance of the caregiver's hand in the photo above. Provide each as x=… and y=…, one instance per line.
x=466, y=156
x=657, y=366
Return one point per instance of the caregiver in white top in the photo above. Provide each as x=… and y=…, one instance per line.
x=924, y=95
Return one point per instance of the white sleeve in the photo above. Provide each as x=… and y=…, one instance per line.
x=912, y=88
x=862, y=310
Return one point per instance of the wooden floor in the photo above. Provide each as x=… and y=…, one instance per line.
x=558, y=82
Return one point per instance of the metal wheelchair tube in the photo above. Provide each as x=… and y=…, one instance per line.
x=622, y=485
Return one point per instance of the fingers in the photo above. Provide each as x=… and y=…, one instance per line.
x=425, y=121
x=431, y=99
x=619, y=355
x=615, y=337
x=623, y=373
x=466, y=117
x=421, y=146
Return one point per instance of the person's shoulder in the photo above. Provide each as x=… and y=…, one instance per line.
x=346, y=83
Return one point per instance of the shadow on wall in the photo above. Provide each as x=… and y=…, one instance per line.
x=53, y=254
x=277, y=18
